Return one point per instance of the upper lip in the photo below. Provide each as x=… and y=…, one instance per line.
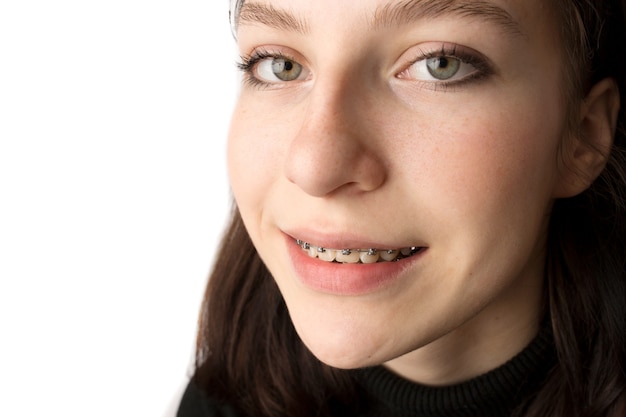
x=346, y=240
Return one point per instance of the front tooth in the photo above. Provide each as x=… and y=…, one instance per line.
x=369, y=257
x=347, y=256
x=389, y=255
x=327, y=255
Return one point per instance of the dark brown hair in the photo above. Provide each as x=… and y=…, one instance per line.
x=248, y=352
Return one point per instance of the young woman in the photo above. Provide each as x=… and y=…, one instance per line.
x=430, y=213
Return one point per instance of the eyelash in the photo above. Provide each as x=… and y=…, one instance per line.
x=483, y=68
x=249, y=62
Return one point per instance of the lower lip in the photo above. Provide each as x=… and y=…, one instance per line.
x=346, y=279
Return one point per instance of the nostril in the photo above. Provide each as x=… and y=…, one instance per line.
x=320, y=168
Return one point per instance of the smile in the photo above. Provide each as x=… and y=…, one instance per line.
x=358, y=256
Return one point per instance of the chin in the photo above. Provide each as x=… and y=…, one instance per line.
x=343, y=349
x=343, y=359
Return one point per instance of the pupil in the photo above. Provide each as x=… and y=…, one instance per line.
x=286, y=70
x=443, y=68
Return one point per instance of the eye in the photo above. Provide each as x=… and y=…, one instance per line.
x=443, y=68
x=266, y=68
x=276, y=69
x=438, y=65
x=439, y=68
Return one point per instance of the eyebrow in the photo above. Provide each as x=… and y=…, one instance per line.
x=389, y=15
x=268, y=15
x=409, y=11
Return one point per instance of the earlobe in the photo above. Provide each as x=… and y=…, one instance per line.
x=586, y=152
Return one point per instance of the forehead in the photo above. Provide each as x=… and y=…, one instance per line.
x=510, y=16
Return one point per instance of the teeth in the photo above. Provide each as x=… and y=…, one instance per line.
x=369, y=257
x=389, y=255
x=354, y=256
x=347, y=256
x=327, y=255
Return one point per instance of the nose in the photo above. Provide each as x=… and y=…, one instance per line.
x=336, y=148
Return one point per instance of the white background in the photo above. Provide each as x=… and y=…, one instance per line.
x=113, y=195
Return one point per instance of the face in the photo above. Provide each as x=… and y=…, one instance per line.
x=416, y=144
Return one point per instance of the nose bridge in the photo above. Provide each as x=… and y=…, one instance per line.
x=335, y=147
x=336, y=106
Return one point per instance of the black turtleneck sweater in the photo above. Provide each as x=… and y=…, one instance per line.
x=498, y=393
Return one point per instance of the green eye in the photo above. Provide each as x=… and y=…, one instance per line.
x=285, y=69
x=270, y=69
x=443, y=68
x=445, y=65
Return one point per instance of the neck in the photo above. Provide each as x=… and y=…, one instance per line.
x=496, y=393
x=483, y=343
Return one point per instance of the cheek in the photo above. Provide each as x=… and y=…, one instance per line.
x=486, y=185
x=257, y=143
x=493, y=158
x=253, y=156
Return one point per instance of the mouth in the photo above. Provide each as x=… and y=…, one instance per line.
x=358, y=256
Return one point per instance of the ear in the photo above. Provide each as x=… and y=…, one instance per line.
x=585, y=154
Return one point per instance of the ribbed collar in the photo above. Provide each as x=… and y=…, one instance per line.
x=495, y=394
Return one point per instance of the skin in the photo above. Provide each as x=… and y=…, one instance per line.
x=471, y=167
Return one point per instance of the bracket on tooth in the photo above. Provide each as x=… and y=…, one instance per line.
x=401, y=253
x=306, y=246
